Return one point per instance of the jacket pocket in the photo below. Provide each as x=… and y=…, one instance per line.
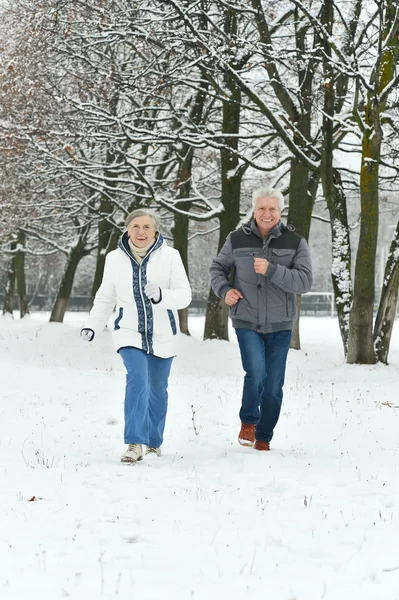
x=172, y=321
x=244, y=311
x=282, y=256
x=118, y=319
x=244, y=269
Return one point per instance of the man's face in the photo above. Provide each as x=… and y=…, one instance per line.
x=267, y=213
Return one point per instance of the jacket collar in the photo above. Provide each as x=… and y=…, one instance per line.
x=275, y=232
x=124, y=246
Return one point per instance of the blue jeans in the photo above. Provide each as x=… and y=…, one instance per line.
x=146, y=396
x=264, y=358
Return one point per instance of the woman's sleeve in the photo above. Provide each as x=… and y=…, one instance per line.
x=178, y=294
x=104, y=301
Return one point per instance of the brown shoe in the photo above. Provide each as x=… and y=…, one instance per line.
x=246, y=437
x=261, y=445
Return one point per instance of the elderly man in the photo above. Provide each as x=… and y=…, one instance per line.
x=258, y=272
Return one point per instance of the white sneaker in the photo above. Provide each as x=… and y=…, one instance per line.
x=151, y=450
x=134, y=453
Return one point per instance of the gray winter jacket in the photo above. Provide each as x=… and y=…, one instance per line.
x=268, y=302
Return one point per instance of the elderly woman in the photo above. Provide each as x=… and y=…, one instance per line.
x=146, y=280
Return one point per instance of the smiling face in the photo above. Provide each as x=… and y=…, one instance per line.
x=141, y=231
x=267, y=214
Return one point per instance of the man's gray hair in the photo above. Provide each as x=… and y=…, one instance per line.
x=144, y=212
x=268, y=192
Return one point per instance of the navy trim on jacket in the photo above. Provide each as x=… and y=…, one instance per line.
x=145, y=325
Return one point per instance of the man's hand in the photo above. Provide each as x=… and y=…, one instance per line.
x=232, y=297
x=260, y=265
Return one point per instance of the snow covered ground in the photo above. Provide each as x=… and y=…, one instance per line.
x=317, y=518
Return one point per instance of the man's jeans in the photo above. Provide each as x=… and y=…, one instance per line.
x=264, y=357
x=146, y=396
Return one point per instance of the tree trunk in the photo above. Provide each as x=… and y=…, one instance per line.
x=333, y=191
x=303, y=185
x=299, y=215
x=108, y=234
x=181, y=223
x=300, y=200
x=361, y=342
x=341, y=257
x=180, y=242
x=64, y=292
x=341, y=250
x=20, y=274
x=8, y=306
x=108, y=237
x=295, y=343
x=216, y=320
x=387, y=307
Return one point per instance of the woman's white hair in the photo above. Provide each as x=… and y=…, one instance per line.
x=268, y=192
x=144, y=212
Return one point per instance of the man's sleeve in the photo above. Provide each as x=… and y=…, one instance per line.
x=221, y=268
x=297, y=279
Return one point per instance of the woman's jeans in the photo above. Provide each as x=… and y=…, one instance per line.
x=146, y=396
x=263, y=357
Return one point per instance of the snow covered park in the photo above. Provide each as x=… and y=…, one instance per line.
x=314, y=519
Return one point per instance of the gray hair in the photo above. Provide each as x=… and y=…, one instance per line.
x=268, y=192
x=144, y=212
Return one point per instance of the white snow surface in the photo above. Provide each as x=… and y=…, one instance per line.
x=314, y=519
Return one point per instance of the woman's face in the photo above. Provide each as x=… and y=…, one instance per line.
x=141, y=231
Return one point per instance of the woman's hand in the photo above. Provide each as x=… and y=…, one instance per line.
x=87, y=334
x=153, y=292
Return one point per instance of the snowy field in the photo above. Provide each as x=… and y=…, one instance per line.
x=314, y=519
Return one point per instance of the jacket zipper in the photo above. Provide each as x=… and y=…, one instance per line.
x=144, y=310
x=143, y=300
x=142, y=295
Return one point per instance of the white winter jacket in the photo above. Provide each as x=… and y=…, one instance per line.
x=154, y=328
